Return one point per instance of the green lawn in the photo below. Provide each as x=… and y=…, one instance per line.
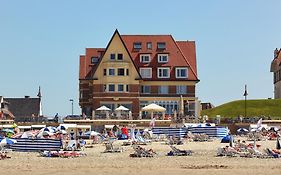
x=268, y=107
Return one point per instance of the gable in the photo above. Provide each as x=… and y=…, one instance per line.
x=116, y=47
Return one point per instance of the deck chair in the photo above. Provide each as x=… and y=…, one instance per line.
x=110, y=148
x=72, y=145
x=177, y=152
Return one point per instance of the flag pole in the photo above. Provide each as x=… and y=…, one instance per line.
x=245, y=94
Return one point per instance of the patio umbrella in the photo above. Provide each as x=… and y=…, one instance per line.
x=60, y=127
x=153, y=108
x=181, y=106
x=103, y=108
x=121, y=108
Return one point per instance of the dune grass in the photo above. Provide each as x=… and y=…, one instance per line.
x=265, y=107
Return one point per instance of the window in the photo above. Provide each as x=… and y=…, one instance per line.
x=163, y=58
x=94, y=60
x=145, y=89
x=120, y=56
x=127, y=72
x=181, y=89
x=104, y=72
x=112, y=56
x=111, y=71
x=161, y=45
x=111, y=87
x=121, y=72
x=127, y=88
x=145, y=58
x=163, y=89
x=120, y=87
x=181, y=72
x=137, y=45
x=163, y=72
x=149, y=45
x=146, y=72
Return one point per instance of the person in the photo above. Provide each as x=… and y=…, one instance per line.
x=115, y=129
x=124, y=131
x=110, y=133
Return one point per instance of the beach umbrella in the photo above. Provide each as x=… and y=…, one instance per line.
x=60, y=127
x=92, y=133
x=50, y=129
x=103, y=108
x=7, y=141
x=8, y=130
x=242, y=130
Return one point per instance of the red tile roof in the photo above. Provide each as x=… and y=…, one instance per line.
x=85, y=61
x=181, y=54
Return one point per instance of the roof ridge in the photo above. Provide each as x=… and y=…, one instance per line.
x=148, y=35
x=185, y=58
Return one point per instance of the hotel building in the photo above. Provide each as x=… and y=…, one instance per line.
x=136, y=70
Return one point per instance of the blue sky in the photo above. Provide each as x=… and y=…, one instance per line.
x=40, y=43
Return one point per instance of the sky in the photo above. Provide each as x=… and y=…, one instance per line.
x=40, y=43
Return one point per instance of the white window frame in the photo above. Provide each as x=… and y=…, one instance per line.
x=111, y=68
x=179, y=89
x=160, y=58
x=146, y=69
x=123, y=87
x=149, y=87
x=162, y=68
x=181, y=68
x=108, y=88
x=166, y=88
x=144, y=55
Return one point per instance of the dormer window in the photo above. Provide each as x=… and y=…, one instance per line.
x=94, y=60
x=137, y=45
x=161, y=45
x=181, y=72
x=145, y=58
x=163, y=58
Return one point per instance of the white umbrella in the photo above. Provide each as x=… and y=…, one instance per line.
x=153, y=108
x=121, y=108
x=92, y=133
x=103, y=108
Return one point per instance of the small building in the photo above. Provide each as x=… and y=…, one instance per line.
x=276, y=69
x=5, y=114
x=207, y=106
x=25, y=109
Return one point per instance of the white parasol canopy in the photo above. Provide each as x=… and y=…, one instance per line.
x=103, y=108
x=121, y=108
x=153, y=108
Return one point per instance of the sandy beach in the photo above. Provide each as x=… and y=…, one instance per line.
x=203, y=161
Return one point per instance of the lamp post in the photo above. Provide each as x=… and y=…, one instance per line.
x=71, y=106
x=245, y=95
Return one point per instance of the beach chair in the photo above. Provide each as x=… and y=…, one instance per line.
x=141, y=152
x=109, y=148
x=72, y=145
x=177, y=152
